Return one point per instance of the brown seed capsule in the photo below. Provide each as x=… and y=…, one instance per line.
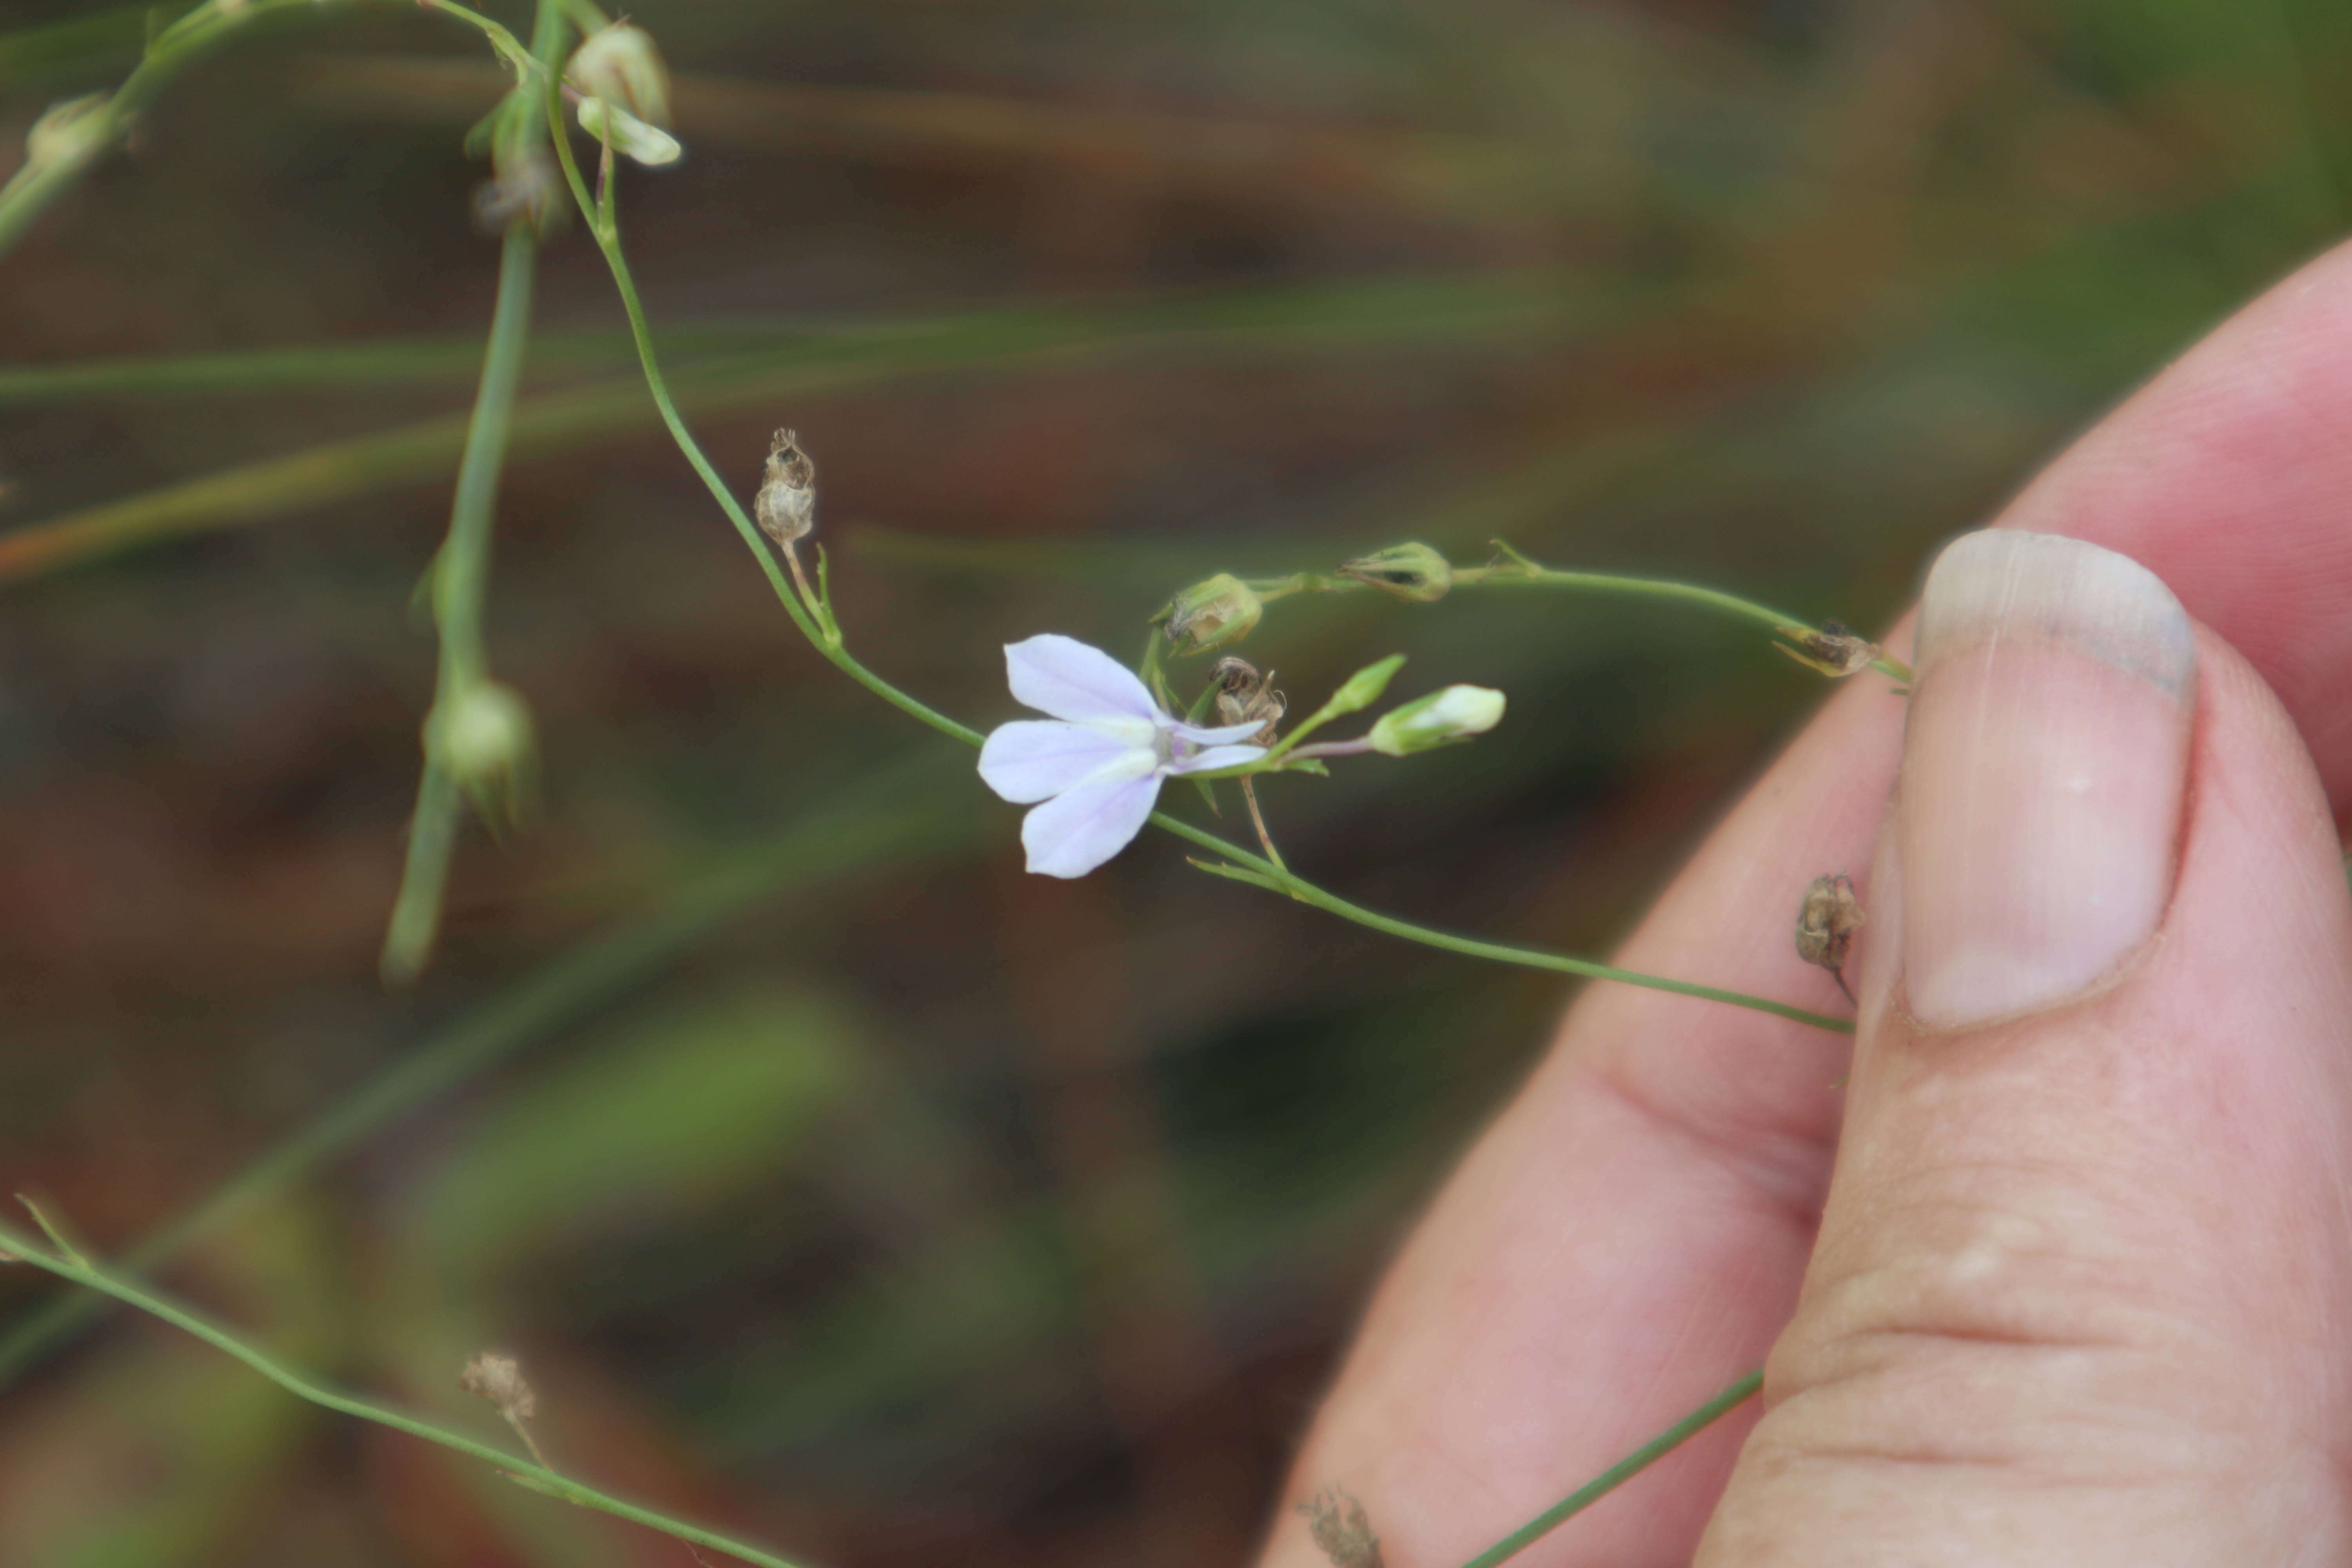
x=1338, y=1523
x=1244, y=696
x=786, y=505
x=1826, y=922
x=1834, y=651
x=498, y=1379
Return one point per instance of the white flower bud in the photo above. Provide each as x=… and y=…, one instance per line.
x=620, y=65
x=1439, y=719
x=632, y=137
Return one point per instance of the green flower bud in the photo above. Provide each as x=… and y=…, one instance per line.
x=1411, y=571
x=67, y=133
x=620, y=65
x=1363, y=688
x=483, y=737
x=1212, y=613
x=1439, y=719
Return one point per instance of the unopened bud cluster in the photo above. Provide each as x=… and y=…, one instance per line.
x=785, y=506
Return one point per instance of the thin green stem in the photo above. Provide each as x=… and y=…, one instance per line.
x=867, y=823
x=1518, y=571
x=1618, y=1473
x=1526, y=574
x=1261, y=872
x=415, y=920
x=537, y=1476
x=607, y=234
x=67, y=154
x=461, y=571
x=607, y=237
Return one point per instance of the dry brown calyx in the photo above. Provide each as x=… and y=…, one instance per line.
x=1834, y=651
x=786, y=505
x=1244, y=696
x=1338, y=1523
x=1826, y=922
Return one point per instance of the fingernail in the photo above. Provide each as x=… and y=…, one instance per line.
x=2044, y=766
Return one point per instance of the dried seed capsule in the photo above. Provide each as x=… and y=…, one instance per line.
x=498, y=1379
x=1411, y=571
x=1826, y=922
x=1338, y=1523
x=1833, y=650
x=786, y=504
x=1244, y=696
x=1212, y=613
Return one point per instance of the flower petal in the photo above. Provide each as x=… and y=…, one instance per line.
x=1221, y=736
x=1065, y=678
x=1029, y=759
x=1080, y=828
x=1216, y=757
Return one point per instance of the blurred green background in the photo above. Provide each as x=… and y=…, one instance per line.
x=834, y=1179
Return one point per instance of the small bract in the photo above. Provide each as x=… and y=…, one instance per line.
x=1096, y=764
x=632, y=137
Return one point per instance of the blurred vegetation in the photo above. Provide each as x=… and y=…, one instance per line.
x=835, y=1179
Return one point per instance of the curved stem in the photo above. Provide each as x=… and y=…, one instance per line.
x=1261, y=872
x=1523, y=573
x=537, y=1476
x=460, y=573
x=606, y=231
x=37, y=185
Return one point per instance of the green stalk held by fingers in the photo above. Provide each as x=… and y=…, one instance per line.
x=598, y=210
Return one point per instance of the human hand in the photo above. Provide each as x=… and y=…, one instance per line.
x=2064, y=1274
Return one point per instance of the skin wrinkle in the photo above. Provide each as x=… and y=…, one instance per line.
x=2129, y=1219
x=1791, y=1180
x=2207, y=478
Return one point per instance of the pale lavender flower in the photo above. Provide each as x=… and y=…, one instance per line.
x=1096, y=764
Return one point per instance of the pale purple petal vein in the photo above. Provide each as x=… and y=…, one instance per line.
x=1221, y=736
x=1080, y=828
x=1066, y=678
x=1029, y=759
x=1216, y=757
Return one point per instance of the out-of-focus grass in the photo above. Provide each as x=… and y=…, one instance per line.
x=1072, y=305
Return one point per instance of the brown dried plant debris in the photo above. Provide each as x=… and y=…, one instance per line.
x=1244, y=696
x=1337, y=1521
x=1826, y=921
x=786, y=504
x=1834, y=651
